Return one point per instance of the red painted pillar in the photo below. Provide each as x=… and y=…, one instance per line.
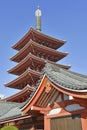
x=46, y=123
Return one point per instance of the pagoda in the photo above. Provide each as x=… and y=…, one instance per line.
x=34, y=51
x=51, y=96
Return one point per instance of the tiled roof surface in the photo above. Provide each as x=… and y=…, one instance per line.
x=66, y=78
x=9, y=109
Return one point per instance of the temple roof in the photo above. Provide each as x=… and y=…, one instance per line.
x=30, y=60
x=33, y=62
x=21, y=96
x=40, y=38
x=40, y=50
x=66, y=78
x=9, y=109
x=70, y=82
x=28, y=77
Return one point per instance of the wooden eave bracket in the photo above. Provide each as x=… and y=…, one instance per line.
x=41, y=110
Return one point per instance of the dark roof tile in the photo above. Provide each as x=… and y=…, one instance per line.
x=65, y=78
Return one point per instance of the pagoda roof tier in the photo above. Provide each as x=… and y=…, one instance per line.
x=21, y=96
x=28, y=77
x=40, y=38
x=40, y=51
x=31, y=61
x=34, y=63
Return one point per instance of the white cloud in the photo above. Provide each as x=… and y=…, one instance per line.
x=1, y=96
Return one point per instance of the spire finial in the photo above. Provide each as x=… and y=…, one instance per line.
x=38, y=18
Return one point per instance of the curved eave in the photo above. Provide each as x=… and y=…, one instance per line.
x=66, y=79
x=25, y=63
x=69, y=85
x=21, y=43
x=36, y=99
x=58, y=43
x=26, y=76
x=49, y=51
x=31, y=44
x=31, y=33
x=35, y=96
x=71, y=92
x=20, y=95
x=22, y=52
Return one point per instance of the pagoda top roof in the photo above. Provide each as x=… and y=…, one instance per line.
x=34, y=35
x=65, y=81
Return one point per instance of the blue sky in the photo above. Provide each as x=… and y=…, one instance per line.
x=62, y=19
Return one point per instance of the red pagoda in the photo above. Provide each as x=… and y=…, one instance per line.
x=45, y=87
